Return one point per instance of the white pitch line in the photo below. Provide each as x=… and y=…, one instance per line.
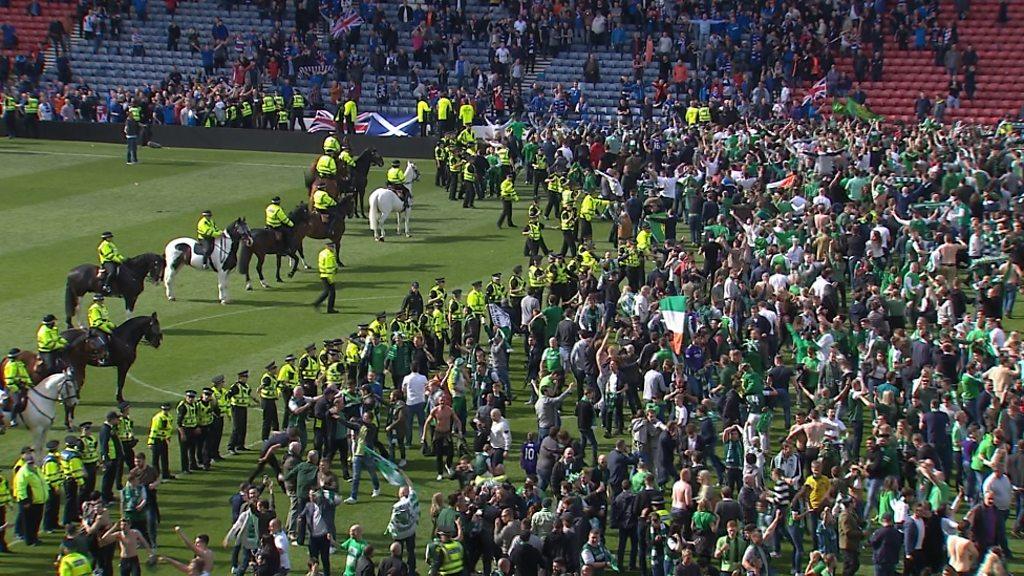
x=197, y=161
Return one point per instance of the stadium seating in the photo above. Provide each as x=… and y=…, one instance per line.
x=31, y=30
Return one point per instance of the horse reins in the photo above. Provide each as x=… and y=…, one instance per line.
x=64, y=401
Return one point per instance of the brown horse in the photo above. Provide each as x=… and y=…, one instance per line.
x=121, y=351
x=309, y=224
x=354, y=182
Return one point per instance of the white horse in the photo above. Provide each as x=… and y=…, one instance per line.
x=41, y=407
x=182, y=251
x=383, y=201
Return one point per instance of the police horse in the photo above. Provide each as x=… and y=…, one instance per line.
x=354, y=182
x=41, y=402
x=384, y=201
x=186, y=252
x=128, y=284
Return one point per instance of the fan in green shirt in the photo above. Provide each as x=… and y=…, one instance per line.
x=354, y=547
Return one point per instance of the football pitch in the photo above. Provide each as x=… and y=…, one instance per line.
x=57, y=197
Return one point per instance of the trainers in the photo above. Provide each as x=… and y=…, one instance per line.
x=350, y=500
x=375, y=493
x=439, y=477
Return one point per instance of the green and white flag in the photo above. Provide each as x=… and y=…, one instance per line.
x=388, y=469
x=673, y=316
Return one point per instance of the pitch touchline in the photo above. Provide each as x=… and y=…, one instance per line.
x=86, y=155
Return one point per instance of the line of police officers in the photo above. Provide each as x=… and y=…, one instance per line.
x=25, y=107
x=266, y=110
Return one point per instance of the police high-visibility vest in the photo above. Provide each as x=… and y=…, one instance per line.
x=704, y=114
x=503, y=157
x=125, y=429
x=444, y=108
x=476, y=302
x=516, y=286
x=276, y=217
x=455, y=310
x=537, y=278
x=206, y=228
x=468, y=173
x=350, y=110
x=327, y=263
x=238, y=395
x=188, y=414
x=590, y=206
x=495, y=292
x=466, y=113
x=452, y=563
x=232, y=113
x=268, y=104
x=268, y=389
x=5, y=491
x=691, y=115
x=335, y=373
x=108, y=252
x=508, y=191
x=48, y=339
x=10, y=105
x=279, y=102
x=90, y=451
x=631, y=257
x=326, y=166
x=52, y=473
x=136, y=113
x=74, y=564
x=396, y=176
x=99, y=318
x=540, y=162
x=553, y=183
x=643, y=240
x=16, y=375
x=71, y=466
x=32, y=106
x=287, y=377
x=533, y=231
x=309, y=369
x=568, y=218
x=204, y=412
x=322, y=200
x=159, y=427
x=282, y=116
x=298, y=102
x=246, y=109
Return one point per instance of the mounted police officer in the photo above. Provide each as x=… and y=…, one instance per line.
x=110, y=260
x=50, y=344
x=18, y=381
x=324, y=204
x=326, y=164
x=396, y=182
x=207, y=231
x=279, y=222
x=100, y=326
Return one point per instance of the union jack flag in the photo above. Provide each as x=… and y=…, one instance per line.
x=346, y=22
x=324, y=122
x=816, y=92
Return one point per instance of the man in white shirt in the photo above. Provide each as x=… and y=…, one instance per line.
x=281, y=543
x=414, y=387
x=642, y=304
x=654, y=384
x=501, y=436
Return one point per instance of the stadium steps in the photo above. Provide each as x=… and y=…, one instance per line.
x=31, y=30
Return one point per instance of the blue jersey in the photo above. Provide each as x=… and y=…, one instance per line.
x=528, y=460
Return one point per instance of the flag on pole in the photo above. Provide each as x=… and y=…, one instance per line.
x=346, y=22
x=816, y=92
x=784, y=183
x=388, y=469
x=673, y=316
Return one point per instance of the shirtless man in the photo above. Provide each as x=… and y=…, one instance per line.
x=201, y=548
x=682, y=497
x=814, y=430
x=446, y=422
x=129, y=540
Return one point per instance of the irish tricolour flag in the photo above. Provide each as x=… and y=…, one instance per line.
x=673, y=316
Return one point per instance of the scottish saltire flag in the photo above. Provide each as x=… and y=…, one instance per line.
x=346, y=22
x=816, y=92
x=370, y=124
x=387, y=469
x=673, y=316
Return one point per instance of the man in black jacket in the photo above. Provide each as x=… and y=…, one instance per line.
x=619, y=462
x=624, y=519
x=111, y=456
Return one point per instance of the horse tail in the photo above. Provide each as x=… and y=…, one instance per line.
x=70, y=301
x=374, y=201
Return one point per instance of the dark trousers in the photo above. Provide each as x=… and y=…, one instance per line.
x=133, y=149
x=506, y=213
x=851, y=562
x=468, y=194
x=270, y=421
x=90, y=479
x=554, y=203
x=51, y=511
x=187, y=445
x=568, y=242
x=409, y=545
x=320, y=549
x=202, y=441
x=159, y=456
x=3, y=531
x=213, y=438
x=130, y=566
x=72, y=510
x=628, y=535
x=329, y=293
x=239, y=423
x=271, y=462
x=296, y=119
x=29, y=518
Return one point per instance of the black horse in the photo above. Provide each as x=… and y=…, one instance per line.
x=128, y=284
x=356, y=182
x=265, y=241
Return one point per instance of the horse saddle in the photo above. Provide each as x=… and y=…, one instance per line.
x=97, y=346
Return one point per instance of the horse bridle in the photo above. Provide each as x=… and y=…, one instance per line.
x=60, y=398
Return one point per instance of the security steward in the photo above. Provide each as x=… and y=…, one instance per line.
x=101, y=326
x=54, y=478
x=160, y=429
x=50, y=344
x=111, y=454
x=17, y=380
x=268, y=393
x=279, y=222
x=239, y=398
x=207, y=231
x=188, y=432
x=448, y=556
x=327, y=263
x=110, y=261
x=73, y=472
x=508, y=196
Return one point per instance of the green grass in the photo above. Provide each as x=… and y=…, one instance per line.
x=56, y=198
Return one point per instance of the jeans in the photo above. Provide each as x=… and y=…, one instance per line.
x=885, y=570
x=874, y=486
x=627, y=535
x=360, y=463
x=417, y=414
x=1009, y=299
x=133, y=148
x=587, y=436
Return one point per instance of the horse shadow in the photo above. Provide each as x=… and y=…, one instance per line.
x=202, y=332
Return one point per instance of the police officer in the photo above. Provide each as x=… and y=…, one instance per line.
x=347, y=115
x=437, y=293
x=448, y=556
x=111, y=453
x=188, y=432
x=287, y=380
x=207, y=231
x=32, y=115
x=246, y=112
x=324, y=204
x=54, y=478
x=553, y=184
x=567, y=222
x=218, y=396
x=494, y=292
x=90, y=456
x=476, y=305
x=17, y=380
x=160, y=429
x=50, y=344
x=396, y=181
x=268, y=393
x=279, y=222
x=456, y=314
x=298, y=110
x=99, y=322
x=268, y=109
x=326, y=164
x=10, y=116
x=110, y=260
x=534, y=238
x=309, y=370
x=508, y=196
x=516, y=293
x=456, y=161
x=239, y=398
x=540, y=173
x=206, y=411
x=327, y=263
x=73, y=472
x=126, y=434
